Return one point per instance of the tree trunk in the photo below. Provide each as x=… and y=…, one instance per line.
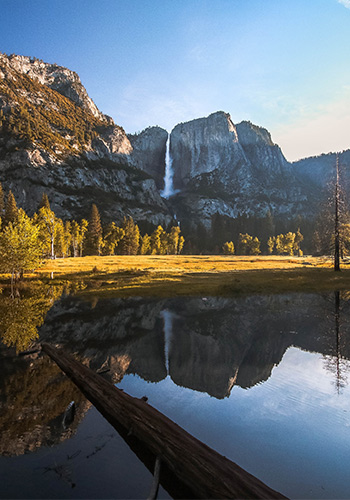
x=204, y=472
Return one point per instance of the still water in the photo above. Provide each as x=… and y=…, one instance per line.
x=261, y=379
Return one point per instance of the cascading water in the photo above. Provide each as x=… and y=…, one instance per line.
x=169, y=173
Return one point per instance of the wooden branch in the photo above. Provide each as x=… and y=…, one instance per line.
x=155, y=484
x=204, y=472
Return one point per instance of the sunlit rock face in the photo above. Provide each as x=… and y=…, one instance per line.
x=148, y=152
x=61, y=79
x=233, y=170
x=204, y=145
x=81, y=157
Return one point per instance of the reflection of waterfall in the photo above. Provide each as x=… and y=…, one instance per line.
x=168, y=333
x=169, y=173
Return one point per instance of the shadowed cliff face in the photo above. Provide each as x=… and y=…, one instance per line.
x=149, y=152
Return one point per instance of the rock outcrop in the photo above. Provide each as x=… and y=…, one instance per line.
x=233, y=170
x=58, y=78
x=69, y=150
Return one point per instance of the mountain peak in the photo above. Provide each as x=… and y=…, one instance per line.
x=59, y=78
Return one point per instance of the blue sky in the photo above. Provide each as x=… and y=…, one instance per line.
x=282, y=64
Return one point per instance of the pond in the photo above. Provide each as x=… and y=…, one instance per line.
x=261, y=379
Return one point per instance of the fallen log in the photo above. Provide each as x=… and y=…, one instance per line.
x=203, y=472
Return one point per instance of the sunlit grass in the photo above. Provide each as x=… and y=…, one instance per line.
x=192, y=275
x=172, y=275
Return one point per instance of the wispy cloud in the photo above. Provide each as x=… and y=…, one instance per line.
x=346, y=3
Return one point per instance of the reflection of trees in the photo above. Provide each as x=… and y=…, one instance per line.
x=34, y=395
x=335, y=361
x=22, y=315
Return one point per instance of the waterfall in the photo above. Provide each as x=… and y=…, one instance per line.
x=169, y=173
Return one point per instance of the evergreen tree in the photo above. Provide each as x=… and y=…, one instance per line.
x=145, y=245
x=94, y=233
x=130, y=243
x=113, y=236
x=11, y=210
x=44, y=202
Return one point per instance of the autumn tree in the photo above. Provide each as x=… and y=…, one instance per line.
x=247, y=245
x=145, y=244
x=20, y=250
x=271, y=242
x=156, y=240
x=228, y=248
x=285, y=243
x=113, y=235
x=173, y=240
x=297, y=241
x=180, y=244
x=49, y=225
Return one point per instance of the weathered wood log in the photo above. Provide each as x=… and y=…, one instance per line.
x=206, y=473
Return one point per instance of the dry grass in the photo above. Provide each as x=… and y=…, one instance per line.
x=193, y=275
x=176, y=264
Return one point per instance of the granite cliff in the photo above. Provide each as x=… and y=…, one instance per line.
x=233, y=170
x=53, y=139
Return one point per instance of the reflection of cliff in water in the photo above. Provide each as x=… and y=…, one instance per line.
x=206, y=344
x=215, y=342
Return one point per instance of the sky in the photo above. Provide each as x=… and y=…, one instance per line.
x=281, y=64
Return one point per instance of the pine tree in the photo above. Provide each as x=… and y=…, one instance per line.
x=113, y=236
x=130, y=242
x=145, y=245
x=11, y=210
x=94, y=233
x=44, y=202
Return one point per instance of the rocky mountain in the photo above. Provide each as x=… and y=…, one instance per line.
x=233, y=170
x=148, y=152
x=53, y=139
